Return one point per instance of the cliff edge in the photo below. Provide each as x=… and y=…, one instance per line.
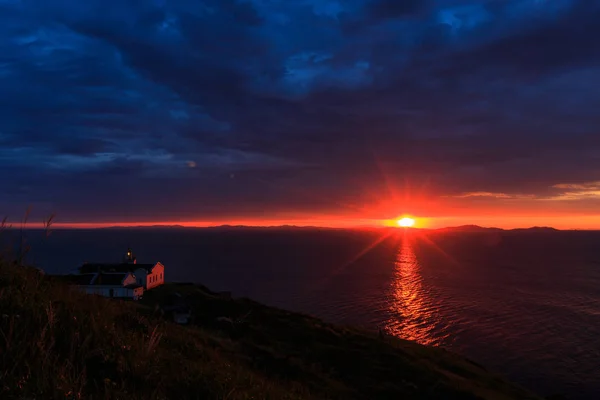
x=58, y=343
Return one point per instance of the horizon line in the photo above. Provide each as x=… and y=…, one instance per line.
x=92, y=226
x=561, y=222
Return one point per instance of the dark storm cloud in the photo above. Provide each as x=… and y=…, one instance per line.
x=199, y=107
x=545, y=45
x=395, y=8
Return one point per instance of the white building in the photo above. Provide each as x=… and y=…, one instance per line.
x=116, y=284
x=127, y=279
x=146, y=275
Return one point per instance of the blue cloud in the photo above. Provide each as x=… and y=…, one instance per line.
x=290, y=93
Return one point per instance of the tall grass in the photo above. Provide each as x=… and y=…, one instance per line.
x=56, y=343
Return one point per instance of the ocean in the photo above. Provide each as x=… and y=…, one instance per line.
x=525, y=304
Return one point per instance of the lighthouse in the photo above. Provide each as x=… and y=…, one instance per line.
x=129, y=258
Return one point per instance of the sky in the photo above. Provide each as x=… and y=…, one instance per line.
x=320, y=112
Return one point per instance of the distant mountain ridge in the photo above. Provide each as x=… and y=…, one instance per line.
x=460, y=228
x=468, y=228
x=477, y=228
x=537, y=229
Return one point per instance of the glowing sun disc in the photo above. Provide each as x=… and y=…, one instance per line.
x=406, y=222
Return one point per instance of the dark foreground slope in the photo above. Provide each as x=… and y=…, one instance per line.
x=55, y=343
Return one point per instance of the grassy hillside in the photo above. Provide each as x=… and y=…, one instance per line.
x=55, y=343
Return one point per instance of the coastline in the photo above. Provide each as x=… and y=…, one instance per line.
x=66, y=342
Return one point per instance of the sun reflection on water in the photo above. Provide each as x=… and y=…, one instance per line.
x=411, y=315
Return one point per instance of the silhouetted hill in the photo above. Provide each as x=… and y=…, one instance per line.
x=477, y=228
x=58, y=343
x=468, y=228
x=536, y=229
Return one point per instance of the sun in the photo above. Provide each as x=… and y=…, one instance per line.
x=406, y=222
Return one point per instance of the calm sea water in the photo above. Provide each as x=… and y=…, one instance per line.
x=526, y=305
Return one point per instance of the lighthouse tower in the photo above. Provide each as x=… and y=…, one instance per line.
x=129, y=258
